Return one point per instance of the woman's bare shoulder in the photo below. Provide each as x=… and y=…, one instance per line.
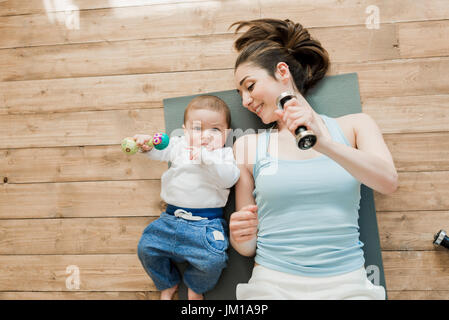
x=348, y=123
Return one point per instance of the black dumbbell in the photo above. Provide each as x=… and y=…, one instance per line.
x=305, y=139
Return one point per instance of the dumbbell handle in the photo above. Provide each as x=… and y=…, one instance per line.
x=305, y=139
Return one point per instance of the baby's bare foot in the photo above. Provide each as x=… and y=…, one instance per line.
x=167, y=294
x=192, y=295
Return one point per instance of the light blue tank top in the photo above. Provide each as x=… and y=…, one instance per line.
x=308, y=212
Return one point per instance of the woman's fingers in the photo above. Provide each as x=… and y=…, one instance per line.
x=243, y=224
x=249, y=207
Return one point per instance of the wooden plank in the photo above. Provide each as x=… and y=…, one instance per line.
x=77, y=128
x=413, y=230
x=117, y=58
x=108, y=93
x=428, y=113
x=416, y=270
x=424, y=39
x=81, y=199
x=417, y=191
x=358, y=43
x=16, y=7
x=418, y=295
x=155, y=21
x=80, y=295
x=71, y=236
x=419, y=151
x=122, y=272
x=339, y=13
x=71, y=164
x=405, y=77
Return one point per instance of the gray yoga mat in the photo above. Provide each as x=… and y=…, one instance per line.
x=334, y=96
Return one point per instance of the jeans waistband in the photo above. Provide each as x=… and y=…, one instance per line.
x=209, y=213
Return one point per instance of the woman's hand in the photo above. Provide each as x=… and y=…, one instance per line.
x=243, y=224
x=141, y=141
x=297, y=112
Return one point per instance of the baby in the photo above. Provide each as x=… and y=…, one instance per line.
x=195, y=188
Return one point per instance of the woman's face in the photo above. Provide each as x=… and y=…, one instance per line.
x=259, y=90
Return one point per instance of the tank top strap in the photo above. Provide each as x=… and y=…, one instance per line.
x=262, y=145
x=261, y=150
x=335, y=130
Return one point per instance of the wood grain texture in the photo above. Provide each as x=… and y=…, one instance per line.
x=419, y=295
x=110, y=272
x=78, y=128
x=330, y=13
x=416, y=270
x=19, y=7
x=80, y=295
x=417, y=191
x=71, y=236
x=409, y=114
x=398, y=78
x=410, y=230
x=80, y=199
x=72, y=164
x=125, y=92
x=139, y=22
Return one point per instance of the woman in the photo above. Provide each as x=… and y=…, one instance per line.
x=298, y=209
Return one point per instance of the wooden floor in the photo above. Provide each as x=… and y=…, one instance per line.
x=71, y=201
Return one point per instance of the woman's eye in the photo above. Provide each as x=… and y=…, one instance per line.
x=197, y=128
x=251, y=87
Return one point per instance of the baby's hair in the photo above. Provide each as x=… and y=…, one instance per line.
x=209, y=102
x=270, y=41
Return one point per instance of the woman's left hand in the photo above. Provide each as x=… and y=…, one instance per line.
x=297, y=112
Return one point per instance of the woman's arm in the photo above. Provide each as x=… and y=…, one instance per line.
x=370, y=162
x=243, y=223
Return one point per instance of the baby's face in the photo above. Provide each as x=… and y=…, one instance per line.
x=205, y=128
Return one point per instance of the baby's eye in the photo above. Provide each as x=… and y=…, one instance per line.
x=216, y=129
x=197, y=128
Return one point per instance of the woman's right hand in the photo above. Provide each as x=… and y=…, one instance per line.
x=243, y=224
x=141, y=141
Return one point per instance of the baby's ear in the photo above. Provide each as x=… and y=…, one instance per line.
x=183, y=126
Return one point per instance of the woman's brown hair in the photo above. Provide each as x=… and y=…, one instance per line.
x=270, y=41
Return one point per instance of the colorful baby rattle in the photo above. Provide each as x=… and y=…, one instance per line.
x=159, y=141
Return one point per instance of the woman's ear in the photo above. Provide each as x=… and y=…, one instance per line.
x=283, y=72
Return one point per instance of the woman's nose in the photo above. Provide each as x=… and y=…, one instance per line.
x=246, y=100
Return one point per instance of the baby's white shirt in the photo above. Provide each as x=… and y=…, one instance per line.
x=191, y=184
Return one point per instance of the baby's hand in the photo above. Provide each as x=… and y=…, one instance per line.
x=194, y=152
x=141, y=141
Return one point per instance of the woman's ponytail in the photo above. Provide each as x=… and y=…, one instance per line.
x=270, y=41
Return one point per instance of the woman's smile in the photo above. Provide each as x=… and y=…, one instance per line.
x=258, y=109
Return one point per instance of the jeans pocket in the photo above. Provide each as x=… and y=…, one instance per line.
x=215, y=238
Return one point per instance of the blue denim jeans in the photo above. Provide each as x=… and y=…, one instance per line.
x=171, y=239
